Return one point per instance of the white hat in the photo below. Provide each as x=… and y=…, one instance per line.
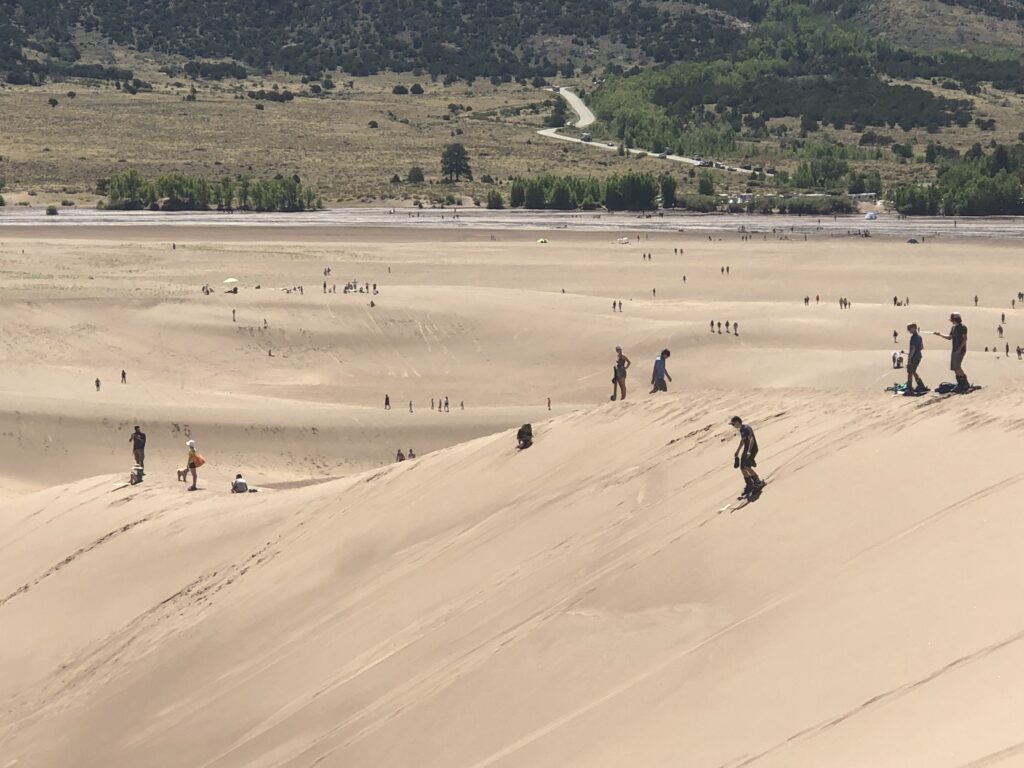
x=191, y=443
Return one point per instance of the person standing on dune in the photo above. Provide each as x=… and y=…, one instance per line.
x=745, y=459
x=138, y=441
x=958, y=337
x=914, y=354
x=660, y=373
x=193, y=463
x=622, y=364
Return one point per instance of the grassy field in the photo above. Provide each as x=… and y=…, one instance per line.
x=49, y=153
x=61, y=151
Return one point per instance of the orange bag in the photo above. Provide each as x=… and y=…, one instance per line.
x=199, y=460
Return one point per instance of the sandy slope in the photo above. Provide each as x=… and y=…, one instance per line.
x=584, y=603
x=587, y=602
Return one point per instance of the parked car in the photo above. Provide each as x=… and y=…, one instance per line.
x=586, y=137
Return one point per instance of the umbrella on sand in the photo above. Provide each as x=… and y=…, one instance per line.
x=231, y=280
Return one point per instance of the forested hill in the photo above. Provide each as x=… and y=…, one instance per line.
x=460, y=37
x=465, y=38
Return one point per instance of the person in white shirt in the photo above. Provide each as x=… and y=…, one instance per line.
x=238, y=485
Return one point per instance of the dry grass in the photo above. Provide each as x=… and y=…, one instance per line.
x=935, y=25
x=61, y=151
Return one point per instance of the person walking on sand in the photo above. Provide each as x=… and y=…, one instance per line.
x=914, y=354
x=193, y=463
x=745, y=459
x=387, y=402
x=97, y=384
x=895, y=336
x=660, y=373
x=958, y=337
x=622, y=364
x=124, y=376
x=138, y=441
x=233, y=316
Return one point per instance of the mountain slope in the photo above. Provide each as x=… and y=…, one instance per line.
x=585, y=602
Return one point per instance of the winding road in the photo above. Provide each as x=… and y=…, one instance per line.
x=585, y=117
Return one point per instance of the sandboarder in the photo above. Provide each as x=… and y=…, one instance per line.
x=138, y=441
x=958, y=337
x=913, y=361
x=745, y=459
x=622, y=364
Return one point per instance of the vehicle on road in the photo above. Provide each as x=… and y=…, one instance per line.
x=586, y=137
x=663, y=154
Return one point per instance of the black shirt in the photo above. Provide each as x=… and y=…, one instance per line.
x=138, y=440
x=749, y=441
x=958, y=335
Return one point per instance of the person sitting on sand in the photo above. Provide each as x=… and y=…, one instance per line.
x=660, y=373
x=412, y=454
x=238, y=485
x=399, y=456
x=622, y=364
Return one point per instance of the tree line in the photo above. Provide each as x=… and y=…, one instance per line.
x=129, y=190
x=478, y=38
x=978, y=184
x=620, y=192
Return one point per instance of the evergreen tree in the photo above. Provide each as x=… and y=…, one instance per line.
x=706, y=184
x=668, y=190
x=455, y=163
x=517, y=196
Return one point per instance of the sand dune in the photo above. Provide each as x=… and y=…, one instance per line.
x=598, y=600
x=587, y=602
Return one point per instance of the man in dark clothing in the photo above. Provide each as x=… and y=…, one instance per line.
x=958, y=337
x=914, y=355
x=745, y=459
x=138, y=441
